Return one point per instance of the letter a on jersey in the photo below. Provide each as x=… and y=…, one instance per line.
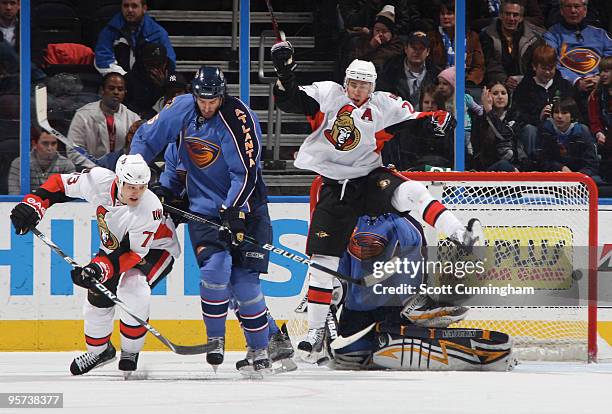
x=343, y=135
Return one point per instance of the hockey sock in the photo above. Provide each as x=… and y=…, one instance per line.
x=414, y=196
x=253, y=310
x=215, y=292
x=320, y=289
x=135, y=292
x=98, y=327
x=272, y=326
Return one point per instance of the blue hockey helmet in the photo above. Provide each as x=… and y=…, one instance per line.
x=208, y=83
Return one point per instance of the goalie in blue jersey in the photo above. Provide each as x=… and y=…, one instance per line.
x=391, y=325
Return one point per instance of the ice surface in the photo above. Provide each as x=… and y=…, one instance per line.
x=174, y=384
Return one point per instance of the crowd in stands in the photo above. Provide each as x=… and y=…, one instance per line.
x=538, y=80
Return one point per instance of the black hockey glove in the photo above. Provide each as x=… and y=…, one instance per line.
x=234, y=226
x=442, y=122
x=282, y=59
x=163, y=193
x=28, y=213
x=84, y=276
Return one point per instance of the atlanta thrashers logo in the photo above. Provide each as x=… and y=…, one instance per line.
x=107, y=238
x=343, y=135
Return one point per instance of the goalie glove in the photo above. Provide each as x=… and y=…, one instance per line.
x=282, y=59
x=442, y=122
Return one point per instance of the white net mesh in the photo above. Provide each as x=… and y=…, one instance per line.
x=541, y=233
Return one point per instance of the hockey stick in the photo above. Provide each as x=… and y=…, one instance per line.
x=367, y=281
x=178, y=349
x=280, y=36
x=43, y=122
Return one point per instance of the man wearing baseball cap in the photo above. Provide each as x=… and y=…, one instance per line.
x=408, y=74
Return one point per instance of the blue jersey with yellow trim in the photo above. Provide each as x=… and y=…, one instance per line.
x=374, y=241
x=221, y=155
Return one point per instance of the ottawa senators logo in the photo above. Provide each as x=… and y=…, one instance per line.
x=579, y=60
x=202, y=152
x=107, y=238
x=364, y=246
x=343, y=135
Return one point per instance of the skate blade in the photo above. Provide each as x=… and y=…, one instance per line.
x=283, y=365
x=249, y=373
x=127, y=375
x=309, y=357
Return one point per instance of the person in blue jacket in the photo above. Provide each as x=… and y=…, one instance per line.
x=218, y=139
x=127, y=32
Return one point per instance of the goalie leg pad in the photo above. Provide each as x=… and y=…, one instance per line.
x=443, y=354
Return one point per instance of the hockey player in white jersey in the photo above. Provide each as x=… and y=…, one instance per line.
x=138, y=245
x=350, y=125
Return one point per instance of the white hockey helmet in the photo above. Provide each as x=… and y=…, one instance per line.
x=361, y=70
x=132, y=169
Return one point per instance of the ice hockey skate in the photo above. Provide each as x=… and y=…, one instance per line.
x=255, y=365
x=215, y=357
x=281, y=351
x=128, y=363
x=88, y=361
x=312, y=345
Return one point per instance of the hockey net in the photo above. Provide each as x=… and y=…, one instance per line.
x=528, y=212
x=544, y=225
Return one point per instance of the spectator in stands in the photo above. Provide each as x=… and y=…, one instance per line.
x=600, y=110
x=127, y=32
x=579, y=47
x=148, y=80
x=567, y=145
x=377, y=47
x=357, y=15
x=481, y=13
x=417, y=148
x=445, y=92
x=9, y=70
x=109, y=161
x=533, y=98
x=508, y=43
x=596, y=12
x=100, y=127
x=44, y=161
x=442, y=43
x=9, y=22
x=406, y=75
x=496, y=144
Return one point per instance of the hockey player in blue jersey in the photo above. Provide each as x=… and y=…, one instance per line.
x=218, y=141
x=171, y=187
x=402, y=338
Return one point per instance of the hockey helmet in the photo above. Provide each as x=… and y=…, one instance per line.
x=208, y=83
x=361, y=70
x=132, y=169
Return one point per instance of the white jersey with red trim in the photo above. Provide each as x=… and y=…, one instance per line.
x=145, y=224
x=347, y=140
